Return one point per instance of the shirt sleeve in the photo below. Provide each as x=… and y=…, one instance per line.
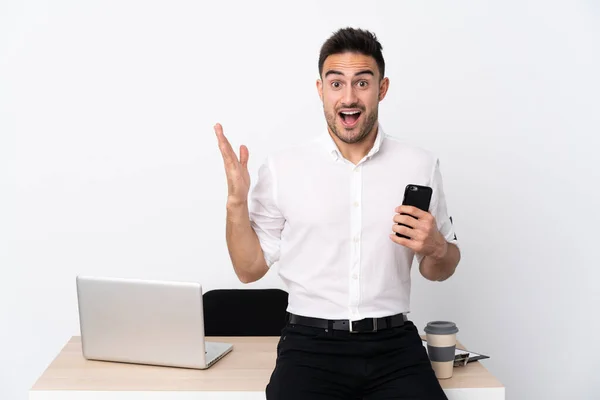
x=439, y=210
x=265, y=217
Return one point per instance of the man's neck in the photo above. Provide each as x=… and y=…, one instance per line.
x=356, y=151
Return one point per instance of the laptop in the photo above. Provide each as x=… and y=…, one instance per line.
x=145, y=322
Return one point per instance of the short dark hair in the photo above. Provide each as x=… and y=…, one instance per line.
x=356, y=41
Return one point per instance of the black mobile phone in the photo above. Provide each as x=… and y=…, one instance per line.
x=416, y=196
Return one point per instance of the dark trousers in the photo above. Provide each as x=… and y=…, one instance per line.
x=319, y=364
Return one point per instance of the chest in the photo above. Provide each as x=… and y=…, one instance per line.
x=342, y=196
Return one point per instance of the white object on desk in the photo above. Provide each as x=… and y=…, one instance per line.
x=145, y=322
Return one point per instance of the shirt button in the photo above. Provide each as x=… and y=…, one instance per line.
x=354, y=276
x=356, y=204
x=355, y=239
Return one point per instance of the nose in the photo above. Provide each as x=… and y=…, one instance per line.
x=349, y=97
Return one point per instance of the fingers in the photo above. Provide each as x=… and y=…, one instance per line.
x=414, y=245
x=406, y=220
x=244, y=155
x=402, y=241
x=413, y=234
x=227, y=152
x=414, y=211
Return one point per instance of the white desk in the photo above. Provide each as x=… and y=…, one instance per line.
x=242, y=374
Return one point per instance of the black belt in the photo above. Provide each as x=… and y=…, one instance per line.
x=360, y=326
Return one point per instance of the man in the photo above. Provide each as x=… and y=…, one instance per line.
x=328, y=212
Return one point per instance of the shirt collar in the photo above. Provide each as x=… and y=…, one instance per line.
x=335, y=153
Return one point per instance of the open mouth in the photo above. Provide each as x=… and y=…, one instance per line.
x=349, y=118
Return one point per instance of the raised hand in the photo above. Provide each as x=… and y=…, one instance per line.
x=238, y=177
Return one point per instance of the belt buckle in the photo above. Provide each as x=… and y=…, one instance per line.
x=353, y=330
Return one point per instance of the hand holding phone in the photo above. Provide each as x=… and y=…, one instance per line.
x=416, y=196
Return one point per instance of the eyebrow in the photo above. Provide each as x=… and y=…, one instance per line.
x=335, y=72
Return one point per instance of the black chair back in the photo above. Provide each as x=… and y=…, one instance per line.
x=244, y=312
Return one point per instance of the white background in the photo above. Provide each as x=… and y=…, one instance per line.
x=110, y=165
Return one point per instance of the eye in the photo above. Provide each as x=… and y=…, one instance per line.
x=363, y=84
x=336, y=84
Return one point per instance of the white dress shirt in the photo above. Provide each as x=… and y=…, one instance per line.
x=326, y=223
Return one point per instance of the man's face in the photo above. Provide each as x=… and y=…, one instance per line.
x=351, y=90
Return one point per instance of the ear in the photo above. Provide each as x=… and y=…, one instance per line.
x=320, y=89
x=383, y=88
